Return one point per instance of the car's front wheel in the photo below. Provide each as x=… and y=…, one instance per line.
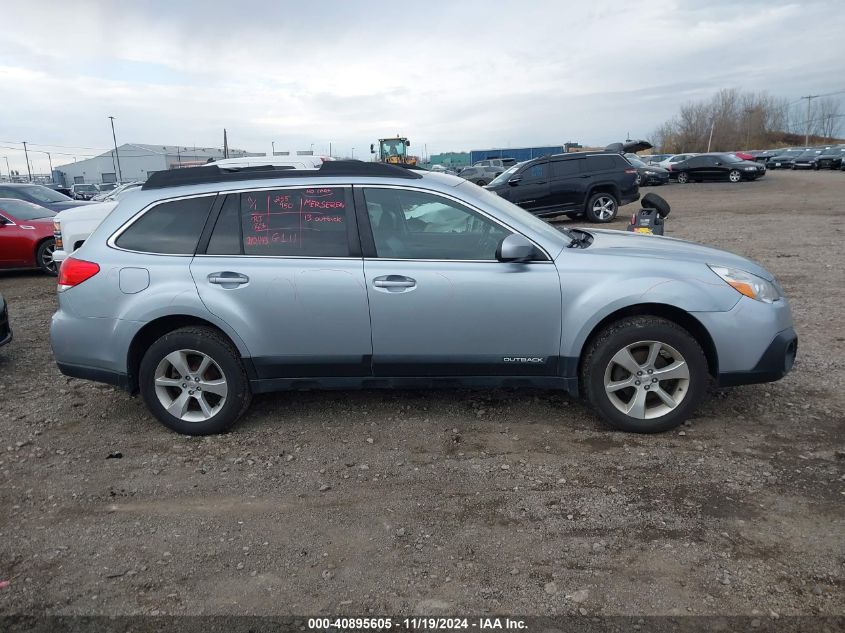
x=683, y=177
x=44, y=257
x=644, y=374
x=193, y=381
x=734, y=175
x=601, y=207
x=480, y=182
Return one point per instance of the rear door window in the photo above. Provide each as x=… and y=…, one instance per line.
x=169, y=228
x=566, y=168
x=297, y=222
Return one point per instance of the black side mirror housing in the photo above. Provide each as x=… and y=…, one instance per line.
x=372, y=149
x=514, y=180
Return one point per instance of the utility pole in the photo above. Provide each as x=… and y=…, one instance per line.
x=225, y=144
x=50, y=159
x=273, y=145
x=710, y=140
x=116, y=153
x=330, y=149
x=26, y=155
x=809, y=98
x=8, y=169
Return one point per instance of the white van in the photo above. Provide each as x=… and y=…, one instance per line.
x=295, y=162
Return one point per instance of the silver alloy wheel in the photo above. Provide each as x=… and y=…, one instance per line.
x=604, y=208
x=190, y=385
x=683, y=178
x=647, y=379
x=47, y=260
x=734, y=176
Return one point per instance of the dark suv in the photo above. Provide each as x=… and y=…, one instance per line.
x=582, y=183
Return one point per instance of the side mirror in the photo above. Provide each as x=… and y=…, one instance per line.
x=515, y=180
x=3, y=221
x=515, y=248
x=372, y=149
x=407, y=143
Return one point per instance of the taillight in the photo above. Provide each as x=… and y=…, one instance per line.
x=630, y=171
x=74, y=271
x=669, y=167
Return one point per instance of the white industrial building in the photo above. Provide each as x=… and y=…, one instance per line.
x=137, y=162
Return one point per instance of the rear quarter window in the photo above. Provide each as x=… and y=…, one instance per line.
x=605, y=163
x=169, y=228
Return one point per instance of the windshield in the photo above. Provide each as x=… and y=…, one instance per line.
x=505, y=175
x=44, y=194
x=510, y=210
x=392, y=147
x=25, y=210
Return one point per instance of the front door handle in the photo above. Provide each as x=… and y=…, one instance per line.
x=394, y=283
x=228, y=279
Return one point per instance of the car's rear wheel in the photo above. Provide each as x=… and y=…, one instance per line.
x=44, y=257
x=193, y=381
x=644, y=374
x=683, y=177
x=734, y=175
x=480, y=182
x=601, y=207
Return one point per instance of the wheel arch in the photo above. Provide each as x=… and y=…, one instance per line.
x=671, y=313
x=604, y=187
x=157, y=328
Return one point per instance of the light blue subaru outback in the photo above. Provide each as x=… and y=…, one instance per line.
x=208, y=285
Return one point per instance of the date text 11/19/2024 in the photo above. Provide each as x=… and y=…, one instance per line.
x=341, y=625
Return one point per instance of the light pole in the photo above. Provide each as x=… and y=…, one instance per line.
x=26, y=155
x=353, y=153
x=312, y=148
x=8, y=169
x=117, y=155
x=273, y=145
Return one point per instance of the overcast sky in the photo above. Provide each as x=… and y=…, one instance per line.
x=450, y=75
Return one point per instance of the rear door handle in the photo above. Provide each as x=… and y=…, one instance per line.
x=228, y=279
x=394, y=283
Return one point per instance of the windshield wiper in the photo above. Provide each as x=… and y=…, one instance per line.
x=580, y=239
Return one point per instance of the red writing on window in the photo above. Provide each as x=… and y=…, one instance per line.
x=323, y=204
x=310, y=217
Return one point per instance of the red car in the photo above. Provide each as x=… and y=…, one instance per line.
x=26, y=236
x=745, y=156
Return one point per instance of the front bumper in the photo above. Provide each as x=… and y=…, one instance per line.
x=776, y=362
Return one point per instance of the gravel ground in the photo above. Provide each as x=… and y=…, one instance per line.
x=448, y=501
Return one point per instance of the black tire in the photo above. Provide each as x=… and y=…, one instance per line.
x=594, y=215
x=44, y=257
x=212, y=343
x=656, y=202
x=683, y=178
x=596, y=361
x=734, y=175
x=480, y=182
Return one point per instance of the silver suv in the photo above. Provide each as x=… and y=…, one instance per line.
x=206, y=286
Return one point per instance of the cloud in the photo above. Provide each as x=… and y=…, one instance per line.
x=448, y=75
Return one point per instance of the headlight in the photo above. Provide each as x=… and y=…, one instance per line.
x=748, y=284
x=650, y=173
x=750, y=168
